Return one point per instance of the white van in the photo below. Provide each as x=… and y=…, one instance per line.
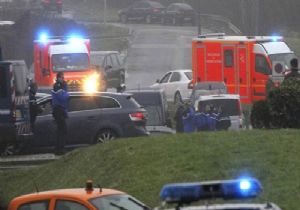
x=229, y=105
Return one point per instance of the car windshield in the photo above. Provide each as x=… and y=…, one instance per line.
x=117, y=202
x=227, y=107
x=70, y=62
x=154, y=115
x=97, y=59
x=185, y=6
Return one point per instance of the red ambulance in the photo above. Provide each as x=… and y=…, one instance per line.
x=244, y=63
x=70, y=55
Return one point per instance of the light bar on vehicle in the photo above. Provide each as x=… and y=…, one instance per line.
x=226, y=189
x=43, y=38
x=74, y=40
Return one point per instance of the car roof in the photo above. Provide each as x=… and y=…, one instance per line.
x=237, y=206
x=183, y=5
x=145, y=90
x=218, y=96
x=76, y=193
x=103, y=52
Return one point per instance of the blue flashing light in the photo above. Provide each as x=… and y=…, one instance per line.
x=226, y=189
x=43, y=37
x=74, y=40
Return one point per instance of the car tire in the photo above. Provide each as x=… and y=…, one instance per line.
x=105, y=135
x=148, y=19
x=11, y=149
x=178, y=98
x=123, y=18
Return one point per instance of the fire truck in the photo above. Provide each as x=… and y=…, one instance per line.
x=70, y=55
x=15, y=129
x=244, y=63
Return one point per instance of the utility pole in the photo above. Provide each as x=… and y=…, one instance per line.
x=104, y=12
x=198, y=18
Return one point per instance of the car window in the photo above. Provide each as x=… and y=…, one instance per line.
x=115, y=60
x=261, y=65
x=39, y=205
x=97, y=59
x=175, y=77
x=227, y=107
x=108, y=61
x=141, y=5
x=171, y=8
x=188, y=75
x=165, y=79
x=90, y=103
x=69, y=205
x=228, y=61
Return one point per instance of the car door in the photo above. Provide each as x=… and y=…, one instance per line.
x=175, y=84
x=108, y=66
x=45, y=128
x=82, y=119
x=116, y=70
x=163, y=84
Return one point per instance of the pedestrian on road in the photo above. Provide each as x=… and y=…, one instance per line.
x=294, y=74
x=60, y=98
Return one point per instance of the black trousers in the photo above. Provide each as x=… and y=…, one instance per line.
x=60, y=119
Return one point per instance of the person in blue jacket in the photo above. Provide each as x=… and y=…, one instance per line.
x=188, y=119
x=60, y=98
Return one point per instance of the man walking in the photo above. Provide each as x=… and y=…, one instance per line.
x=60, y=98
x=294, y=74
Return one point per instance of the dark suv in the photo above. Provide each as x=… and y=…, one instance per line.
x=147, y=11
x=111, y=63
x=92, y=119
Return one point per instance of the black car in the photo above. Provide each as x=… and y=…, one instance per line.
x=148, y=11
x=155, y=103
x=94, y=118
x=178, y=14
x=112, y=66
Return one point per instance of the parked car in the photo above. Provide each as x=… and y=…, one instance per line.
x=88, y=198
x=155, y=103
x=52, y=5
x=227, y=105
x=112, y=66
x=175, y=84
x=207, y=88
x=178, y=14
x=148, y=11
x=94, y=118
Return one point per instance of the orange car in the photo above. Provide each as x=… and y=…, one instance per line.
x=77, y=199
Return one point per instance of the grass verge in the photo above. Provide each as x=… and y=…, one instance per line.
x=140, y=166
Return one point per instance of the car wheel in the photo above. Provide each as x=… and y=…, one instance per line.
x=105, y=135
x=123, y=19
x=148, y=19
x=177, y=98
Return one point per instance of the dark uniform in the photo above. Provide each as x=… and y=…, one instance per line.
x=294, y=74
x=33, y=107
x=178, y=118
x=60, y=113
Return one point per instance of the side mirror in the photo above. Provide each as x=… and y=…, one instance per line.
x=45, y=72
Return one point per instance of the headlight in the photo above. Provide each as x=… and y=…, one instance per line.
x=91, y=83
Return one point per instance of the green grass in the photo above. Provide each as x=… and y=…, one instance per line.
x=141, y=166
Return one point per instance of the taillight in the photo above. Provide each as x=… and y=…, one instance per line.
x=137, y=116
x=191, y=85
x=156, y=10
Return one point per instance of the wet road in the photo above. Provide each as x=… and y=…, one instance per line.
x=156, y=49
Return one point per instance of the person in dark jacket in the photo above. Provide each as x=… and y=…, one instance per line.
x=33, y=107
x=60, y=98
x=178, y=118
x=294, y=74
x=188, y=119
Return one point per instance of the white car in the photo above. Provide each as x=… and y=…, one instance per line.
x=229, y=105
x=175, y=84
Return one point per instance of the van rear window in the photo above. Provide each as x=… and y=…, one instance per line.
x=228, y=107
x=3, y=84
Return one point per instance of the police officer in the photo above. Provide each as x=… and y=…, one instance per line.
x=178, y=118
x=33, y=107
x=60, y=113
x=294, y=74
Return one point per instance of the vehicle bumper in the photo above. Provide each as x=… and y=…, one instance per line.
x=136, y=132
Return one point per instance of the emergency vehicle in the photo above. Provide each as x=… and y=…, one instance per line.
x=244, y=63
x=87, y=198
x=182, y=195
x=14, y=107
x=70, y=55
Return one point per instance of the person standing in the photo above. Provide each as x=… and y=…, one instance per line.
x=188, y=119
x=60, y=98
x=178, y=118
x=294, y=74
